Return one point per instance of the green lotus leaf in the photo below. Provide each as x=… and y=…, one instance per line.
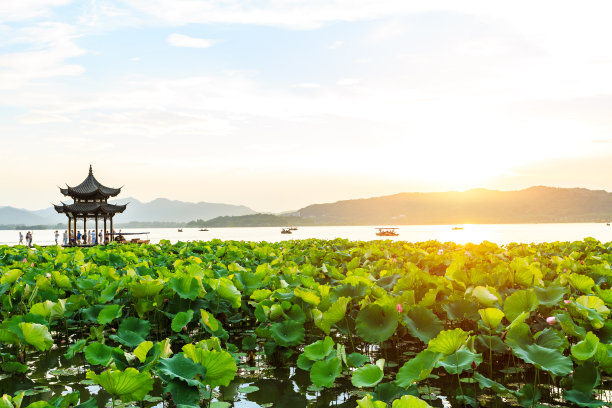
x=183, y=395
x=484, y=296
x=568, y=325
x=296, y=313
x=288, y=333
x=42, y=309
x=519, y=302
x=388, y=392
x=182, y=368
x=519, y=336
x=585, y=349
x=75, y=348
x=545, y=359
x=129, y=385
x=307, y=296
x=422, y=323
x=36, y=335
x=448, y=341
x=460, y=361
x=226, y=290
x=132, y=331
x=220, y=365
x=351, y=291
x=375, y=323
x=528, y=396
x=181, y=320
x=586, y=377
x=209, y=320
x=484, y=382
x=335, y=313
x=146, y=288
x=551, y=295
x=417, y=368
x=187, y=287
x=593, y=309
x=461, y=309
x=581, y=283
x=11, y=276
x=356, y=359
x=142, y=350
x=368, y=402
x=552, y=339
x=13, y=367
x=320, y=349
x=98, y=354
x=518, y=320
x=367, y=376
x=304, y=362
x=491, y=317
x=276, y=311
x=323, y=373
x=410, y=401
x=109, y=313
x=582, y=399
x=492, y=342
x=261, y=294
x=603, y=356
x=90, y=403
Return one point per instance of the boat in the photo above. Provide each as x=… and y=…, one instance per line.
x=203, y=229
x=457, y=228
x=292, y=228
x=180, y=230
x=285, y=231
x=386, y=232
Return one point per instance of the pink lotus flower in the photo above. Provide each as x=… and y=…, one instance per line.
x=399, y=308
x=440, y=251
x=564, y=269
x=48, y=275
x=535, y=259
x=32, y=265
x=25, y=260
x=581, y=262
x=567, y=301
x=551, y=320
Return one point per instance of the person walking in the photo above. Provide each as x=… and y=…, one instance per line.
x=28, y=238
x=56, y=237
x=78, y=237
x=20, y=238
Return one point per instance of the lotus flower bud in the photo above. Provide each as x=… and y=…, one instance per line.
x=581, y=262
x=440, y=251
x=474, y=365
x=165, y=300
x=399, y=308
x=567, y=301
x=32, y=265
x=564, y=269
x=48, y=275
x=25, y=260
x=535, y=259
x=551, y=320
x=184, y=328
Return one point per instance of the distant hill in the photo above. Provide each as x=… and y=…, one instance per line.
x=480, y=206
x=158, y=210
x=253, y=220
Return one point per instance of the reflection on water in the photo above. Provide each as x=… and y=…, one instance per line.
x=474, y=233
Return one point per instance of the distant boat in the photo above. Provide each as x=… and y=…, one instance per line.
x=180, y=230
x=285, y=231
x=457, y=228
x=608, y=224
x=203, y=229
x=292, y=228
x=387, y=232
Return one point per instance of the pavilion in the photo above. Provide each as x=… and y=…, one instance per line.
x=90, y=200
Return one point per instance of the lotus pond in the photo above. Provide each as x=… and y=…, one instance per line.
x=306, y=323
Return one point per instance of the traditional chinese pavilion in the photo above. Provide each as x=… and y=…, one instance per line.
x=90, y=201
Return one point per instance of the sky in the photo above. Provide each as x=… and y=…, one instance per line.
x=279, y=104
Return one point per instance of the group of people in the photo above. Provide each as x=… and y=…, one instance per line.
x=68, y=238
x=28, y=238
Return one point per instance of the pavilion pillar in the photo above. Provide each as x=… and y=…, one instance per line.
x=96, y=240
x=75, y=227
x=85, y=229
x=104, y=240
x=68, y=231
x=112, y=231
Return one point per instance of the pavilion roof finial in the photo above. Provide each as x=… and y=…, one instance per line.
x=90, y=170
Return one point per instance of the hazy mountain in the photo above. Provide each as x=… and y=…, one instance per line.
x=160, y=209
x=532, y=205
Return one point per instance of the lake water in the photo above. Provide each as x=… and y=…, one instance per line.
x=475, y=233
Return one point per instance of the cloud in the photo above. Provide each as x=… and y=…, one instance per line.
x=180, y=40
x=336, y=44
x=348, y=81
x=20, y=10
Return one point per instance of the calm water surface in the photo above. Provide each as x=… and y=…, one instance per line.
x=475, y=233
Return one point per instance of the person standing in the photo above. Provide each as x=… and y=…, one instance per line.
x=56, y=237
x=78, y=237
x=93, y=237
x=20, y=238
x=100, y=234
x=65, y=238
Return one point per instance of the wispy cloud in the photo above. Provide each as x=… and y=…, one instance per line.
x=180, y=40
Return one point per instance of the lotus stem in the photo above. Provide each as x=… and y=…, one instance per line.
x=535, y=376
x=348, y=329
x=459, y=379
x=490, y=356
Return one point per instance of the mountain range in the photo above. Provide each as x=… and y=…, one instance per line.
x=479, y=206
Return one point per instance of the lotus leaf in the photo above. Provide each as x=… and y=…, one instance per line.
x=492, y=342
x=528, y=396
x=484, y=296
x=485, y=382
x=36, y=335
x=519, y=302
x=296, y=314
x=519, y=336
x=320, y=349
x=375, y=323
x=568, y=325
x=335, y=313
x=13, y=367
x=552, y=339
x=129, y=385
x=422, y=323
x=183, y=395
x=304, y=362
x=287, y=333
x=220, y=365
x=146, y=288
x=593, y=309
x=586, y=377
x=142, y=350
x=307, y=296
x=388, y=392
x=181, y=368
x=368, y=402
x=491, y=317
x=367, y=376
x=187, y=287
x=460, y=361
x=551, y=295
x=323, y=373
x=582, y=399
x=545, y=359
x=181, y=320
x=461, y=309
x=226, y=290
x=209, y=320
x=410, y=401
x=11, y=276
x=109, y=313
x=448, y=341
x=356, y=359
x=98, y=354
x=585, y=349
x=581, y=283
x=132, y=331
x=417, y=368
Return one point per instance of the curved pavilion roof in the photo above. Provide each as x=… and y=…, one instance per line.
x=90, y=208
x=90, y=188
